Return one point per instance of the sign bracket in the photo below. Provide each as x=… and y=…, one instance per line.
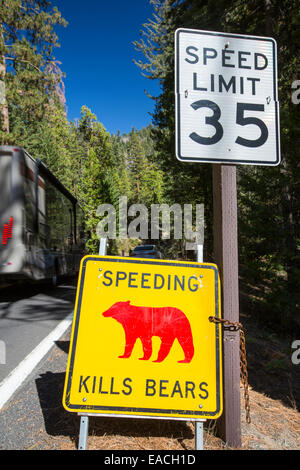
x=199, y=424
x=83, y=432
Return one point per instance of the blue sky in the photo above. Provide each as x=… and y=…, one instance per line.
x=97, y=57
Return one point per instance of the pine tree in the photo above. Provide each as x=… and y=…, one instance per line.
x=29, y=74
x=95, y=166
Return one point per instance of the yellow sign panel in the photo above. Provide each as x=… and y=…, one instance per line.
x=142, y=343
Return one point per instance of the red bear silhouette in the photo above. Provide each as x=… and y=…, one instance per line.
x=168, y=323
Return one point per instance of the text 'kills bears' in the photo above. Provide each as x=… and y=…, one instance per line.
x=168, y=323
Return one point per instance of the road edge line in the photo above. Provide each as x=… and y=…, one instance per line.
x=15, y=379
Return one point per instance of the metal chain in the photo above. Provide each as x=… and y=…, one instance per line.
x=237, y=326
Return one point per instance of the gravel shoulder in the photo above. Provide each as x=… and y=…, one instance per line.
x=34, y=418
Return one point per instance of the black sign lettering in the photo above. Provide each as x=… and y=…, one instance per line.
x=125, y=383
x=242, y=59
x=82, y=383
x=150, y=388
x=202, y=388
x=207, y=54
x=226, y=57
x=188, y=51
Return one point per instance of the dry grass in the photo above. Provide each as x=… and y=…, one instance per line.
x=273, y=427
x=274, y=424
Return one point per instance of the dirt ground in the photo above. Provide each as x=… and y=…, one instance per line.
x=273, y=427
x=274, y=389
x=35, y=419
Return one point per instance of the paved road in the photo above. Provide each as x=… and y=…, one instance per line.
x=28, y=313
x=34, y=417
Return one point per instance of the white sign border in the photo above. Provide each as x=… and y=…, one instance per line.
x=177, y=100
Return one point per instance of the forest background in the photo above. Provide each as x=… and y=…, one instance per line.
x=99, y=167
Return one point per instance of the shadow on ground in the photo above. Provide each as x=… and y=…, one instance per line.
x=30, y=302
x=59, y=422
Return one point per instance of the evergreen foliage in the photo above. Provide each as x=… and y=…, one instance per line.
x=268, y=198
x=100, y=168
x=27, y=66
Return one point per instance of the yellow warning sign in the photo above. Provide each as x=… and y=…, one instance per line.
x=141, y=341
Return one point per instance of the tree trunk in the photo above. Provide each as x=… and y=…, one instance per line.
x=4, y=120
x=138, y=190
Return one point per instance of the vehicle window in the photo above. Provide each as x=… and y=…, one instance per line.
x=144, y=248
x=29, y=202
x=80, y=226
x=59, y=215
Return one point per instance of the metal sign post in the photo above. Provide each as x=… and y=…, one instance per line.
x=84, y=419
x=226, y=256
x=199, y=424
x=83, y=432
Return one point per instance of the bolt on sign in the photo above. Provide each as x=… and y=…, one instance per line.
x=227, y=107
x=142, y=343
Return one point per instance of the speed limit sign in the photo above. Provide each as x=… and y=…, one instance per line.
x=227, y=107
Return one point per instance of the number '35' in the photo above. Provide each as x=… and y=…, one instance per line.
x=241, y=120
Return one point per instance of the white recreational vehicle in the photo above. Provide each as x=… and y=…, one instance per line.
x=41, y=223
